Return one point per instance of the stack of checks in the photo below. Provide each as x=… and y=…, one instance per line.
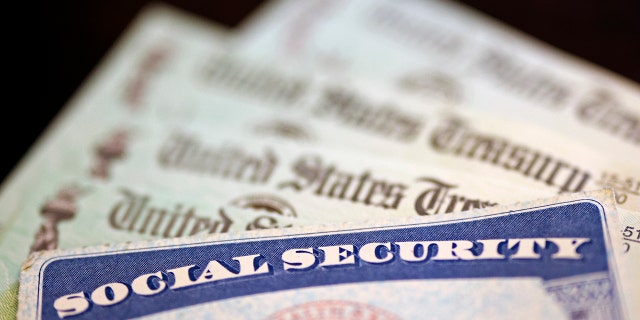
x=330, y=160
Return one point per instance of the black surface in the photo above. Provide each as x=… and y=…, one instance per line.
x=72, y=36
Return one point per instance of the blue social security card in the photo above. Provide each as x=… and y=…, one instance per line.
x=550, y=258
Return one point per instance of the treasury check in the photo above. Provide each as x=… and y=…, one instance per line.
x=241, y=95
x=204, y=85
x=546, y=258
x=348, y=110
x=440, y=49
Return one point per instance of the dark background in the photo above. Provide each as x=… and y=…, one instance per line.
x=70, y=37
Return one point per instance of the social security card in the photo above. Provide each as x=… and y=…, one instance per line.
x=549, y=258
